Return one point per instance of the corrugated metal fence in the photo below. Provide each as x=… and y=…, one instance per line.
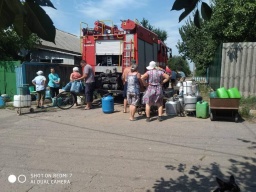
x=238, y=67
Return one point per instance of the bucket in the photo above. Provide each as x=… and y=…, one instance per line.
x=2, y=103
x=202, y=109
x=234, y=93
x=108, y=104
x=222, y=93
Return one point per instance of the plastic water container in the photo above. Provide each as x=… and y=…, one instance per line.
x=213, y=94
x=171, y=108
x=222, y=93
x=24, y=90
x=2, y=103
x=108, y=104
x=19, y=100
x=202, y=109
x=47, y=94
x=56, y=101
x=31, y=89
x=234, y=93
x=27, y=101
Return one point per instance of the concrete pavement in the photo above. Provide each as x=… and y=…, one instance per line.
x=88, y=151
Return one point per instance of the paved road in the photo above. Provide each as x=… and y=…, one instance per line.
x=89, y=151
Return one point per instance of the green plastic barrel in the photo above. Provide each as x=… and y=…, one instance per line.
x=222, y=93
x=202, y=109
x=234, y=93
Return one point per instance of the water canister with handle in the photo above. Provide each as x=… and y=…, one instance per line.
x=222, y=93
x=107, y=104
x=234, y=93
x=2, y=103
x=202, y=109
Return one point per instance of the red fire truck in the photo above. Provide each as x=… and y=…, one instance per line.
x=109, y=50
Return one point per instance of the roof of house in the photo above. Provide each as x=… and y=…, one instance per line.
x=64, y=42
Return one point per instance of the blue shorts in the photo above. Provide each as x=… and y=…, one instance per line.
x=125, y=90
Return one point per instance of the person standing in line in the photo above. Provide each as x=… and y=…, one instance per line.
x=54, y=83
x=154, y=93
x=40, y=81
x=173, y=79
x=74, y=76
x=182, y=74
x=133, y=89
x=124, y=79
x=88, y=76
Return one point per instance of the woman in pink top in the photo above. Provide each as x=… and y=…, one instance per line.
x=73, y=76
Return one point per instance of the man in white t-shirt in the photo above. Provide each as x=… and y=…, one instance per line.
x=40, y=82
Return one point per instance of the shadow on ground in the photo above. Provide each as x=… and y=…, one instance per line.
x=201, y=179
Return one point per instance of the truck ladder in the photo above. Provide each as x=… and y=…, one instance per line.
x=127, y=53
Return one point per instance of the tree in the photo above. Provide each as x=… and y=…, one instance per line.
x=27, y=17
x=189, y=6
x=231, y=22
x=179, y=63
x=14, y=47
x=162, y=34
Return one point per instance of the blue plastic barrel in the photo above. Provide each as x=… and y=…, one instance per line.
x=1, y=101
x=108, y=104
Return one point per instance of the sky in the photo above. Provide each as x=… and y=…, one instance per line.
x=70, y=13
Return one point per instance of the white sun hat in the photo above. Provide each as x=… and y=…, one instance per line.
x=152, y=65
x=39, y=72
x=75, y=69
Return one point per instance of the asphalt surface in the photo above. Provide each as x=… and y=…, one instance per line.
x=78, y=150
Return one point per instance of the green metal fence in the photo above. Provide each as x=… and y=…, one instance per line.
x=8, y=77
x=215, y=69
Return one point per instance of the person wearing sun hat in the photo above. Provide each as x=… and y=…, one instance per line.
x=154, y=78
x=40, y=81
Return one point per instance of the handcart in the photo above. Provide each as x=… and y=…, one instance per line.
x=23, y=100
x=220, y=107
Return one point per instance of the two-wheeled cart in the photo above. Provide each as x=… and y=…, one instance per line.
x=224, y=108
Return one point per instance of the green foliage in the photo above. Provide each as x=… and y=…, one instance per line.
x=27, y=17
x=189, y=6
x=11, y=45
x=234, y=21
x=162, y=34
x=179, y=63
